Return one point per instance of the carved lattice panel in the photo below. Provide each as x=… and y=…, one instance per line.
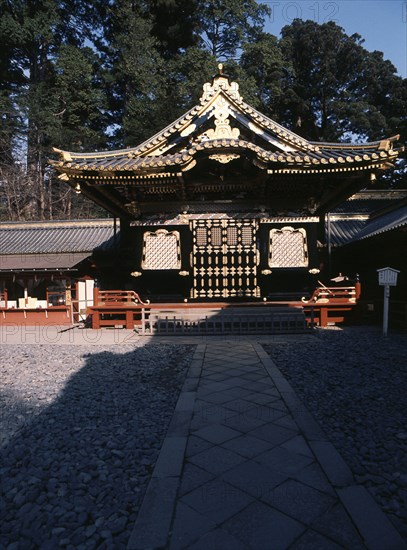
x=227, y=265
x=288, y=247
x=161, y=250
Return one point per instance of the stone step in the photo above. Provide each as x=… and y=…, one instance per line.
x=233, y=320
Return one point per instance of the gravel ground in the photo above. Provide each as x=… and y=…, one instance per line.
x=354, y=382
x=81, y=432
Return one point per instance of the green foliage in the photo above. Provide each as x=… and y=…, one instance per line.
x=84, y=75
x=225, y=25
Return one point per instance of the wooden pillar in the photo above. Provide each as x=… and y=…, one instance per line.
x=129, y=319
x=95, y=296
x=323, y=316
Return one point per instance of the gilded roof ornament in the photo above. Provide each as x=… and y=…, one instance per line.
x=220, y=82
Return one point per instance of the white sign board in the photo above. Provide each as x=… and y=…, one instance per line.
x=388, y=276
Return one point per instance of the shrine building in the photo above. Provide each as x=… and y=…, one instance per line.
x=222, y=204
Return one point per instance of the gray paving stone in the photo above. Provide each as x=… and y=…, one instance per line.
x=154, y=519
x=298, y=445
x=188, y=526
x=196, y=445
x=171, y=457
x=218, y=540
x=249, y=360
x=233, y=372
x=260, y=527
x=212, y=413
x=313, y=476
x=284, y=461
x=214, y=387
x=217, y=460
x=279, y=405
x=180, y=423
x=237, y=391
x=255, y=376
x=247, y=446
x=240, y=405
x=335, y=468
x=273, y=433
x=298, y=501
x=270, y=391
x=311, y=540
x=287, y=422
x=257, y=386
x=218, y=376
x=219, y=397
x=186, y=401
x=217, y=434
x=190, y=384
x=337, y=525
x=245, y=422
x=192, y=478
x=236, y=381
x=309, y=427
x=253, y=478
x=261, y=398
x=217, y=500
x=371, y=522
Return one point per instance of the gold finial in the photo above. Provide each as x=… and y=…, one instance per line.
x=220, y=67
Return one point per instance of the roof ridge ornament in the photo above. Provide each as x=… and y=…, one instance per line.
x=220, y=82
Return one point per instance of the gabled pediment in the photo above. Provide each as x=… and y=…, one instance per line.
x=222, y=115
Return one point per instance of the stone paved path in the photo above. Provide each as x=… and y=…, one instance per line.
x=245, y=466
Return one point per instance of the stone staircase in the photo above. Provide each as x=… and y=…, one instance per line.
x=230, y=320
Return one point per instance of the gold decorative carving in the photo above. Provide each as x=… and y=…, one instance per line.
x=222, y=129
x=220, y=82
x=188, y=130
x=190, y=165
x=224, y=158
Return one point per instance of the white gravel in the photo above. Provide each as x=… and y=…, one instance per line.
x=354, y=382
x=81, y=432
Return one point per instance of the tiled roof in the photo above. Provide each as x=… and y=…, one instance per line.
x=387, y=222
x=370, y=202
x=41, y=262
x=345, y=230
x=55, y=237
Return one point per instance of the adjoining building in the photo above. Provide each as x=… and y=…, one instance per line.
x=224, y=203
x=47, y=274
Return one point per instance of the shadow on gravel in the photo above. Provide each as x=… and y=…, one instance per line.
x=75, y=475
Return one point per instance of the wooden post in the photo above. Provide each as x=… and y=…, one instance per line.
x=386, y=309
x=323, y=316
x=358, y=290
x=129, y=319
x=95, y=296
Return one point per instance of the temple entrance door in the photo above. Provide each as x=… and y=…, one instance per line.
x=224, y=258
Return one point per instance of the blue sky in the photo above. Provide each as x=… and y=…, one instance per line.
x=382, y=23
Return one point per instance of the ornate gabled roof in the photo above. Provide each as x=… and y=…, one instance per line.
x=188, y=157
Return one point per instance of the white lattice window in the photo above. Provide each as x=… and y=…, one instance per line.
x=288, y=247
x=216, y=236
x=161, y=250
x=247, y=235
x=232, y=236
x=201, y=236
